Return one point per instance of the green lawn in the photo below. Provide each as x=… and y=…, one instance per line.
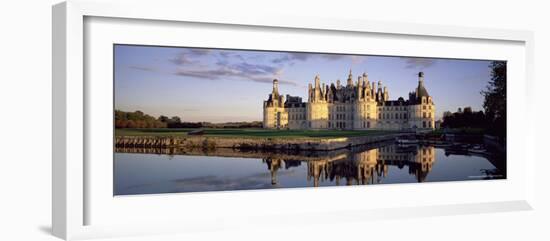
x=251, y=133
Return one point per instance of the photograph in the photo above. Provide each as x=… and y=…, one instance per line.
x=190, y=119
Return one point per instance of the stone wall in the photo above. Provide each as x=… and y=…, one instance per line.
x=316, y=144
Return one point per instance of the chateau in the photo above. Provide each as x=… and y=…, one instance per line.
x=356, y=106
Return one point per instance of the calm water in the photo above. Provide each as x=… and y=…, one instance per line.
x=137, y=171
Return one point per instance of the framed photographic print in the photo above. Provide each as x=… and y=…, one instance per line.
x=182, y=111
x=348, y=132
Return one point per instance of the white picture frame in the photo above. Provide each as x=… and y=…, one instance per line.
x=73, y=187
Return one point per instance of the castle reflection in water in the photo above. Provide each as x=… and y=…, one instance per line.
x=364, y=167
x=357, y=166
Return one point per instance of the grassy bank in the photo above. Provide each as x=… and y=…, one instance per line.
x=260, y=133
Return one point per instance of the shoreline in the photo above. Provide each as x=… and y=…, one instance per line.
x=258, y=143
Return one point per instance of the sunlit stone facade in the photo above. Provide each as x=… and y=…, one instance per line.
x=358, y=105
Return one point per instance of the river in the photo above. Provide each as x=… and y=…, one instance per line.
x=152, y=171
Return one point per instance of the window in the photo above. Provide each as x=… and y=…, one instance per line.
x=423, y=114
x=368, y=124
x=423, y=124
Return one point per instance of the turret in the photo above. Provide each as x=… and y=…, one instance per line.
x=275, y=87
x=350, y=79
x=359, y=88
x=317, y=90
x=323, y=92
x=310, y=92
x=421, y=90
x=317, y=81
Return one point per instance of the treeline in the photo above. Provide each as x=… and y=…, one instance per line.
x=138, y=119
x=465, y=119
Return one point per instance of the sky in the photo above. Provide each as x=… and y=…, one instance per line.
x=223, y=85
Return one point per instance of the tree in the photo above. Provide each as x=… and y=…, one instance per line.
x=136, y=119
x=466, y=118
x=495, y=98
x=163, y=118
x=175, y=120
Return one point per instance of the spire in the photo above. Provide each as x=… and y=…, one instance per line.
x=350, y=78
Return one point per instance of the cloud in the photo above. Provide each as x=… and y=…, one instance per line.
x=244, y=71
x=333, y=56
x=230, y=54
x=291, y=57
x=228, y=64
x=187, y=56
x=182, y=59
x=198, y=52
x=143, y=68
x=255, y=69
x=412, y=63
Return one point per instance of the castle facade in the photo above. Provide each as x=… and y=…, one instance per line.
x=356, y=106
